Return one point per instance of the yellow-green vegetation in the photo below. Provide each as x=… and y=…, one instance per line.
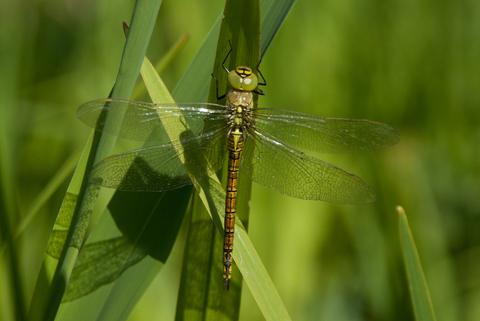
x=412, y=65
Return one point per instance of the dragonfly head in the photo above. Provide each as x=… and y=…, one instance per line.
x=242, y=78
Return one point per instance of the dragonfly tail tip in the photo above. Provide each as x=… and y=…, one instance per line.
x=226, y=284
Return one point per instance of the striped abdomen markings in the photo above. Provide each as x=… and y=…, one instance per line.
x=235, y=144
x=240, y=103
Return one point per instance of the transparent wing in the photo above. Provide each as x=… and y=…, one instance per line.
x=283, y=168
x=141, y=120
x=159, y=168
x=324, y=134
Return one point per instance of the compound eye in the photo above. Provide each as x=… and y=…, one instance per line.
x=234, y=80
x=250, y=83
x=242, y=78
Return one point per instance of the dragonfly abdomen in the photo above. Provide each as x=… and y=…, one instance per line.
x=235, y=145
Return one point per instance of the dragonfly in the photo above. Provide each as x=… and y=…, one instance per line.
x=270, y=138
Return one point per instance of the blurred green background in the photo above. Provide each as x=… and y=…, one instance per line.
x=414, y=65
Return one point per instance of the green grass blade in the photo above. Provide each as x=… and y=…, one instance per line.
x=43, y=290
x=420, y=295
x=162, y=64
x=142, y=25
x=193, y=86
x=274, y=14
x=148, y=224
x=143, y=219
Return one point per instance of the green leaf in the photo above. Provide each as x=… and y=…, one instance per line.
x=47, y=298
x=162, y=64
x=149, y=221
x=43, y=290
x=418, y=287
x=274, y=14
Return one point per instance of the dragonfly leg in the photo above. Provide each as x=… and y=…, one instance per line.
x=228, y=54
x=224, y=68
x=222, y=96
x=264, y=83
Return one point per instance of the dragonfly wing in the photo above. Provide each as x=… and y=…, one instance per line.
x=164, y=167
x=284, y=169
x=324, y=134
x=142, y=121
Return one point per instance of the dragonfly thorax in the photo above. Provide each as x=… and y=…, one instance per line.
x=240, y=98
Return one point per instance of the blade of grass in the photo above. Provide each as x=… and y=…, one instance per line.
x=148, y=224
x=420, y=295
x=143, y=21
x=117, y=294
x=57, y=240
x=162, y=63
x=274, y=14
